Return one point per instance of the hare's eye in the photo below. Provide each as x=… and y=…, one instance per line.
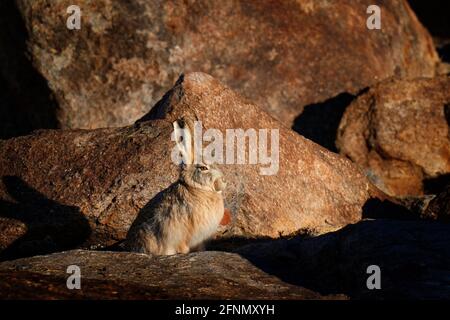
x=203, y=168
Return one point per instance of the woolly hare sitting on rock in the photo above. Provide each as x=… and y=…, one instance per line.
x=185, y=214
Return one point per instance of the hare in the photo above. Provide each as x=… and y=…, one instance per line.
x=185, y=214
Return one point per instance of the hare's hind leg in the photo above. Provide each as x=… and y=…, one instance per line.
x=199, y=247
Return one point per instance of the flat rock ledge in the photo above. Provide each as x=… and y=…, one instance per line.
x=123, y=275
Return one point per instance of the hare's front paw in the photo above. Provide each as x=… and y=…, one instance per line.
x=183, y=248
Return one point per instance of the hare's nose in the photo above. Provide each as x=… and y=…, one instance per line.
x=219, y=184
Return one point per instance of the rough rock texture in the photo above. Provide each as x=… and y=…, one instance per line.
x=120, y=275
x=413, y=256
x=281, y=55
x=63, y=189
x=398, y=132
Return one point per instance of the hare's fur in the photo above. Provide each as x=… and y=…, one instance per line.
x=182, y=216
x=180, y=220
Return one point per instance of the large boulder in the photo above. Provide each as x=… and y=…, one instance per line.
x=431, y=15
x=121, y=275
x=398, y=132
x=283, y=56
x=65, y=189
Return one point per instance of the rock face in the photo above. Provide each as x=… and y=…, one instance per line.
x=398, y=132
x=66, y=189
x=413, y=257
x=120, y=275
x=283, y=56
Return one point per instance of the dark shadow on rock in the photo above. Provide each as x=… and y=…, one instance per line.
x=51, y=226
x=444, y=51
x=319, y=122
x=26, y=102
x=375, y=208
x=413, y=257
x=439, y=206
x=447, y=114
x=165, y=104
x=436, y=185
x=232, y=243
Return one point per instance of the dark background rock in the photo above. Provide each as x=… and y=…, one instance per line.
x=26, y=102
x=283, y=56
x=439, y=206
x=320, y=122
x=435, y=15
x=120, y=275
x=414, y=258
x=398, y=132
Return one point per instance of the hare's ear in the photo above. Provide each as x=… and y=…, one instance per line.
x=183, y=139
